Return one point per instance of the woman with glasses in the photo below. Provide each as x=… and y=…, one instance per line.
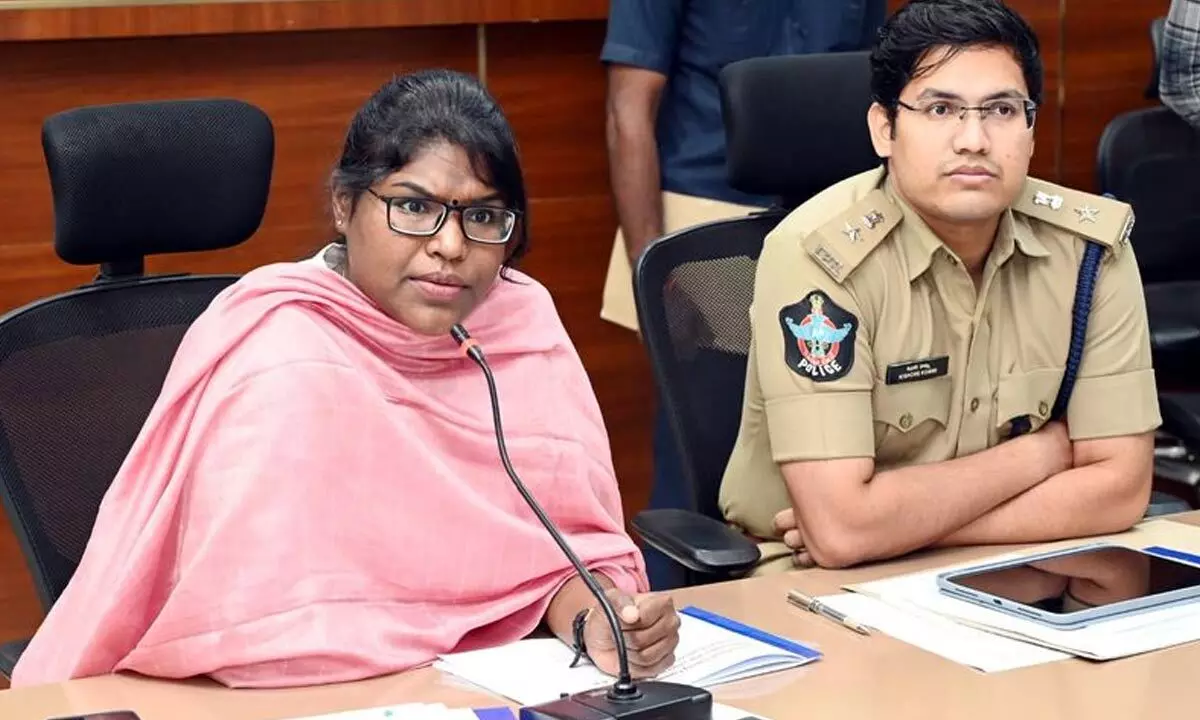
x=317, y=495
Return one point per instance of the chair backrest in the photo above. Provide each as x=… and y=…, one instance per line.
x=1148, y=158
x=79, y=371
x=693, y=291
x=796, y=124
x=1157, y=28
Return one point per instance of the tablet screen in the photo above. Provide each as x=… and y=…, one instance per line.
x=1089, y=578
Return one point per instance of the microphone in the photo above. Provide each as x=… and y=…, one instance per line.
x=624, y=699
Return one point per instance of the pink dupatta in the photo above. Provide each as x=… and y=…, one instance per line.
x=317, y=497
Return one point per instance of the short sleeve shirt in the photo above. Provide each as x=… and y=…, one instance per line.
x=870, y=339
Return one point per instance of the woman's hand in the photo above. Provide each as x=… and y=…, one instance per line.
x=651, y=629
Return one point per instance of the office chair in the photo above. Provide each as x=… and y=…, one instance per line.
x=1157, y=28
x=794, y=126
x=79, y=371
x=1148, y=158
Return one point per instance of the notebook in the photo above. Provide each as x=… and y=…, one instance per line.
x=712, y=650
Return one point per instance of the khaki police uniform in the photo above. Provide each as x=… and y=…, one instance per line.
x=871, y=340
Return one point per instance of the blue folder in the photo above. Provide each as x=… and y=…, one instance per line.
x=1173, y=554
x=751, y=632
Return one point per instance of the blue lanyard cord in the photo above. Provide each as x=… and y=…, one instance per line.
x=1085, y=286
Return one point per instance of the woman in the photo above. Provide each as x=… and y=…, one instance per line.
x=317, y=496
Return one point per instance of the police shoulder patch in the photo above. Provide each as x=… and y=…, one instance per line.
x=818, y=337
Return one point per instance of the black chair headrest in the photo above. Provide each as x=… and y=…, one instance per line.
x=796, y=124
x=1157, y=30
x=138, y=179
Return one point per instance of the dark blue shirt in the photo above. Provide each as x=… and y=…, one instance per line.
x=689, y=41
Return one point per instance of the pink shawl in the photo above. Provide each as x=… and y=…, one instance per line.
x=317, y=497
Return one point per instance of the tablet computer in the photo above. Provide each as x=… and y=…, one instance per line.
x=1072, y=588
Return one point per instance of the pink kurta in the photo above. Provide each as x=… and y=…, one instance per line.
x=317, y=496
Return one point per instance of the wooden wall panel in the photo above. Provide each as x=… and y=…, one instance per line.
x=309, y=83
x=41, y=20
x=1108, y=67
x=552, y=87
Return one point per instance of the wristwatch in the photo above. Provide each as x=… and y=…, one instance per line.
x=578, y=644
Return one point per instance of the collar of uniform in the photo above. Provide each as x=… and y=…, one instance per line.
x=1017, y=227
x=920, y=242
x=916, y=239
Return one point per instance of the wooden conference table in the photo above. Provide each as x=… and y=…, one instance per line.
x=858, y=677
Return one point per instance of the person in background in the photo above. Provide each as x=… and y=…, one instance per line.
x=1179, y=78
x=666, y=139
x=911, y=327
x=316, y=496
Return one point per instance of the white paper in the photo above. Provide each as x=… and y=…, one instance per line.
x=535, y=671
x=954, y=641
x=420, y=711
x=1104, y=640
x=408, y=711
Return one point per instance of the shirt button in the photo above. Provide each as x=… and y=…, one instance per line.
x=1043, y=409
x=905, y=421
x=974, y=404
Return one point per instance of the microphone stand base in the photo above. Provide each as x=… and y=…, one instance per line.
x=658, y=701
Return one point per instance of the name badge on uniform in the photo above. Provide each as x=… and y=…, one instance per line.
x=915, y=370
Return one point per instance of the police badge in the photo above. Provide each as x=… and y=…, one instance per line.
x=818, y=338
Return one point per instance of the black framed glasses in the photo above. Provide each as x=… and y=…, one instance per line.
x=1001, y=112
x=424, y=217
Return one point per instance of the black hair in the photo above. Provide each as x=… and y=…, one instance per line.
x=908, y=36
x=411, y=112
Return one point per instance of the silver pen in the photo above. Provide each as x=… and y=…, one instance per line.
x=813, y=605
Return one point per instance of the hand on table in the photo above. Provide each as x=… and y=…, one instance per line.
x=651, y=629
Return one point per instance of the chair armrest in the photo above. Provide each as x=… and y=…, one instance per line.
x=1180, y=478
x=697, y=542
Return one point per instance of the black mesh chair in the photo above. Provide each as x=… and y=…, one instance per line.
x=693, y=288
x=80, y=371
x=1148, y=158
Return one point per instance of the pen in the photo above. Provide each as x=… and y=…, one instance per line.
x=813, y=605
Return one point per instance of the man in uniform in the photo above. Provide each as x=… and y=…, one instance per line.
x=666, y=141
x=911, y=327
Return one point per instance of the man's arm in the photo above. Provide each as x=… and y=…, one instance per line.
x=821, y=423
x=1105, y=492
x=639, y=50
x=849, y=515
x=1179, y=79
x=1112, y=415
x=631, y=112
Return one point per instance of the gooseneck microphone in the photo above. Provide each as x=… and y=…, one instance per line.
x=624, y=699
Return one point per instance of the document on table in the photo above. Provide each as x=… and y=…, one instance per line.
x=423, y=711
x=954, y=641
x=538, y=670
x=1109, y=639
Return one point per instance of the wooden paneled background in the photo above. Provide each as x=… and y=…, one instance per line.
x=309, y=64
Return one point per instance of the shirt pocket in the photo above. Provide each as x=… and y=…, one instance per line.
x=909, y=415
x=1027, y=394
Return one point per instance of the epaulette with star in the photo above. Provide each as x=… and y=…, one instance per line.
x=1101, y=219
x=843, y=243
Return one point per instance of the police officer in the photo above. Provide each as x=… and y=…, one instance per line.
x=911, y=327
